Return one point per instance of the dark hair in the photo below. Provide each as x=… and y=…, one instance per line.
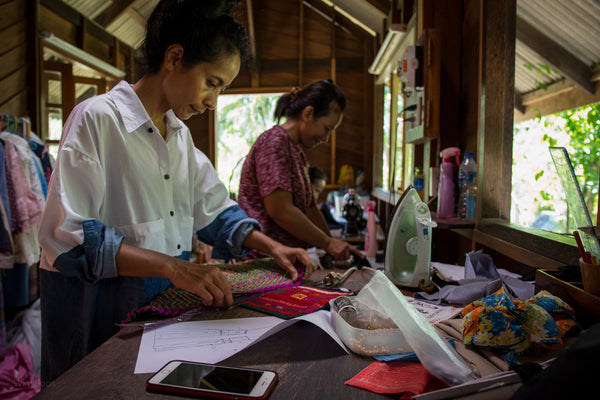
x=315, y=173
x=203, y=27
x=318, y=94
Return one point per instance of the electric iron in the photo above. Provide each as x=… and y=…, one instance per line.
x=408, y=242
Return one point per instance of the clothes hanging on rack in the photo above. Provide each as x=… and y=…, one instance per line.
x=25, y=169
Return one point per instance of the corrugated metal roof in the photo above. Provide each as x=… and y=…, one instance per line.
x=573, y=24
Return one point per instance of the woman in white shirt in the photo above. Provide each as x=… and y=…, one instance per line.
x=129, y=190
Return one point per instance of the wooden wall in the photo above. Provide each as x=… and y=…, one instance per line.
x=17, y=73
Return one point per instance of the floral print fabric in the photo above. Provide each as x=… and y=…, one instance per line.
x=517, y=326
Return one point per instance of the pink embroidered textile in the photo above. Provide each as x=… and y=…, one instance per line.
x=248, y=277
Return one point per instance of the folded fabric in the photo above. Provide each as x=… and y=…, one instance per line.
x=291, y=302
x=482, y=360
x=409, y=378
x=17, y=379
x=516, y=326
x=481, y=279
x=258, y=275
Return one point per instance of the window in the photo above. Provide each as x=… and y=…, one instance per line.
x=541, y=202
x=393, y=149
x=240, y=120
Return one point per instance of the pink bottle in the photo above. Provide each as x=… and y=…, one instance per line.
x=446, y=186
x=371, y=232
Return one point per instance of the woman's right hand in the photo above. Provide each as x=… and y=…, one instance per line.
x=341, y=250
x=204, y=280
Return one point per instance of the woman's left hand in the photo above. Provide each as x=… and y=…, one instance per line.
x=286, y=257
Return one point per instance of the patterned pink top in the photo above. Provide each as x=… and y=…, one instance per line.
x=275, y=162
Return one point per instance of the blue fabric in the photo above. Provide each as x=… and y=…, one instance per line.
x=227, y=233
x=94, y=259
x=16, y=285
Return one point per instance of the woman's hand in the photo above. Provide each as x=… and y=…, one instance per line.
x=341, y=250
x=204, y=280
x=286, y=257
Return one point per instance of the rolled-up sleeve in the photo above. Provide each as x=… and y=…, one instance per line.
x=95, y=258
x=227, y=233
x=73, y=240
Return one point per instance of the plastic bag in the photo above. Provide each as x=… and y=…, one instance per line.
x=436, y=355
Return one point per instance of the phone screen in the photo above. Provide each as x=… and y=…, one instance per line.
x=214, y=378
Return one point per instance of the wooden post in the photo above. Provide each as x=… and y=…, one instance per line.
x=498, y=34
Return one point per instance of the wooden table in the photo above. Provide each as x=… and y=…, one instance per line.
x=310, y=364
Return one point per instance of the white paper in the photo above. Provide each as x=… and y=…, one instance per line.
x=434, y=313
x=215, y=340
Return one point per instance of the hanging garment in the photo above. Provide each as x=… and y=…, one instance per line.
x=28, y=160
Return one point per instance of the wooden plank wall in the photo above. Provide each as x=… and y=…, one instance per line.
x=13, y=58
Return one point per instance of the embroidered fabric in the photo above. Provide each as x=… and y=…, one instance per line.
x=252, y=276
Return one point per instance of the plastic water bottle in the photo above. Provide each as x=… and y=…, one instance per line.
x=371, y=232
x=467, y=185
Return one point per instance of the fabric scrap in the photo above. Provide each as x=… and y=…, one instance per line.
x=17, y=379
x=481, y=279
x=516, y=326
x=394, y=377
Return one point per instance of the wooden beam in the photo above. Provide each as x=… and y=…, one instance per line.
x=114, y=11
x=33, y=60
x=301, y=43
x=333, y=77
x=253, y=42
x=341, y=22
x=555, y=55
x=381, y=5
x=495, y=131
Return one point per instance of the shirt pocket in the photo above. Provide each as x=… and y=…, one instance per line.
x=186, y=230
x=146, y=235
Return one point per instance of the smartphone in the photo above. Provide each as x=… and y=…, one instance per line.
x=213, y=381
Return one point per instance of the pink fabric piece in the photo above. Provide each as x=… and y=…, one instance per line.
x=275, y=162
x=25, y=209
x=17, y=380
x=393, y=377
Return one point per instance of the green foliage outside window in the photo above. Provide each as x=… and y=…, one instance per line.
x=537, y=196
x=240, y=120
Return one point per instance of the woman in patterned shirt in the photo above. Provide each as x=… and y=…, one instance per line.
x=275, y=188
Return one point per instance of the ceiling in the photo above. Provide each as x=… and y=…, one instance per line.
x=556, y=40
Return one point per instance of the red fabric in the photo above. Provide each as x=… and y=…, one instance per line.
x=409, y=378
x=290, y=302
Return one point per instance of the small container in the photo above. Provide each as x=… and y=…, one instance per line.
x=419, y=181
x=590, y=274
x=368, y=342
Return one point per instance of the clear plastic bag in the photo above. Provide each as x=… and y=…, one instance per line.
x=436, y=354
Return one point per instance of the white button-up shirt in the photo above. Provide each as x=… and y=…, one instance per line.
x=114, y=166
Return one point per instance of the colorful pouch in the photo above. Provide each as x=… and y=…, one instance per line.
x=291, y=302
